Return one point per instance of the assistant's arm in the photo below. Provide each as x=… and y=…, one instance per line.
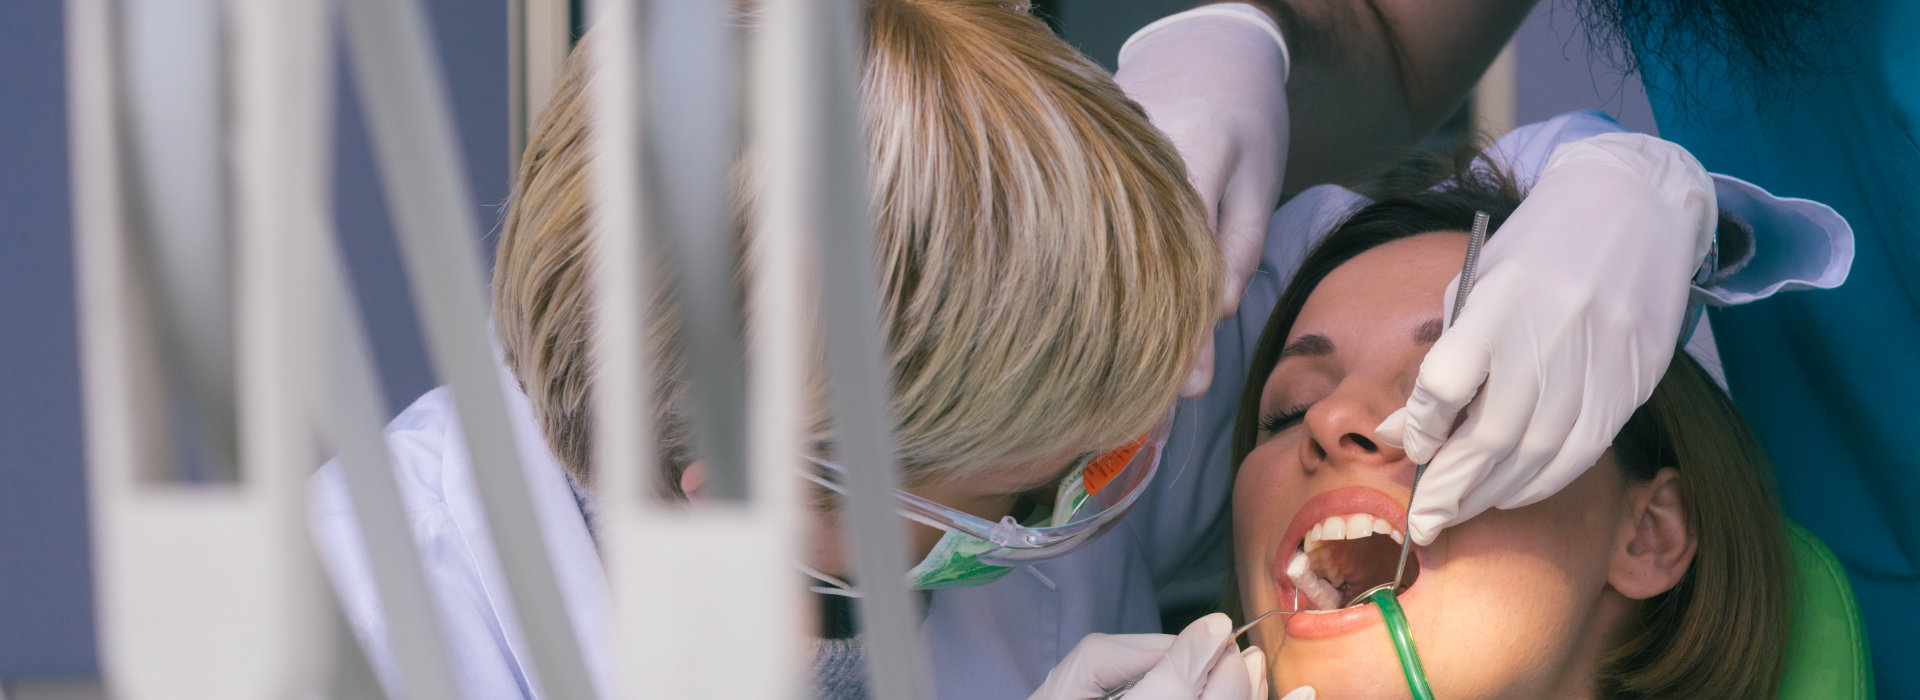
x=1370, y=78
x=1320, y=90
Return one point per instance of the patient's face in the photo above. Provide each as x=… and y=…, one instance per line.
x=1510, y=604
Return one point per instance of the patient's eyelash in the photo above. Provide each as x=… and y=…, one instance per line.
x=1276, y=422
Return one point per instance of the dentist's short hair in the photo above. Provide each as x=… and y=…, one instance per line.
x=1046, y=273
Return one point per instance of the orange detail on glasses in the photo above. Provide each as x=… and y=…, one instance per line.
x=1104, y=468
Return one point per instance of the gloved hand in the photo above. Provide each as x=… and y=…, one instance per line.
x=1572, y=321
x=1200, y=663
x=1214, y=79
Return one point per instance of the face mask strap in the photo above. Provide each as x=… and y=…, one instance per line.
x=835, y=585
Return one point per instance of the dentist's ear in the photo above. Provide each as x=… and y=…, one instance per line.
x=693, y=481
x=1655, y=553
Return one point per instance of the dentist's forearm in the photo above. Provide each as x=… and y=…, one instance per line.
x=1370, y=78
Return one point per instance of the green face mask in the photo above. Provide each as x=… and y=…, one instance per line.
x=955, y=563
x=955, y=559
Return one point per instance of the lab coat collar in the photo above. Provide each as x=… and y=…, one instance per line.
x=575, y=562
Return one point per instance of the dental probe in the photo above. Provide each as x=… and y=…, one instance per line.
x=1476, y=239
x=1237, y=631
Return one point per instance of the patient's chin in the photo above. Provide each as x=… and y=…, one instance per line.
x=1340, y=669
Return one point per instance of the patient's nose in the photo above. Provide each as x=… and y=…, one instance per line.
x=1340, y=434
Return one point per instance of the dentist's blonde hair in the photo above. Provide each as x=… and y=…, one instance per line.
x=1047, y=275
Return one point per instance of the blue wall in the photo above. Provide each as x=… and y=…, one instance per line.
x=46, y=614
x=46, y=606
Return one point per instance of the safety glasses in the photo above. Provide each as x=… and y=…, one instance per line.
x=1090, y=501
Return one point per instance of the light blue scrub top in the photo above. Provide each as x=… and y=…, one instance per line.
x=1829, y=379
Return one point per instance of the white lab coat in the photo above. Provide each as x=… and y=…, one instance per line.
x=996, y=641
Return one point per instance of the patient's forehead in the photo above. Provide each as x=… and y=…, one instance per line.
x=1396, y=283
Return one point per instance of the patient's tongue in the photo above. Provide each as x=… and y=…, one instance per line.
x=1320, y=595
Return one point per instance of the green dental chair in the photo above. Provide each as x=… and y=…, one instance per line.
x=1827, y=649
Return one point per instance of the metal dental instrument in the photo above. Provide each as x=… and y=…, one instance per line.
x=1476, y=239
x=1237, y=631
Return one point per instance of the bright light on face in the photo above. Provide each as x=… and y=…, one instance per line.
x=1514, y=603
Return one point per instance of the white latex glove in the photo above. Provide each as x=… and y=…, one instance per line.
x=1200, y=663
x=1572, y=321
x=1214, y=79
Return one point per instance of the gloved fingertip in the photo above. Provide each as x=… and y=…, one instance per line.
x=1304, y=692
x=1256, y=661
x=1215, y=624
x=1392, y=431
x=1423, y=528
x=1419, y=446
x=1201, y=378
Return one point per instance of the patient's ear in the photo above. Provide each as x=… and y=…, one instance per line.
x=1653, y=557
x=693, y=481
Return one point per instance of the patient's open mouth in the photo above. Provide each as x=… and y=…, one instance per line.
x=1340, y=544
x=1342, y=557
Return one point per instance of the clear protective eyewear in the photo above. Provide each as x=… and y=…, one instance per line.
x=1097, y=491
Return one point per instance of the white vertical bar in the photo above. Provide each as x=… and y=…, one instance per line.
x=413, y=135
x=540, y=35
x=211, y=591
x=175, y=119
x=350, y=407
x=692, y=118
x=282, y=67
x=784, y=303
x=681, y=634
x=1496, y=98
x=855, y=351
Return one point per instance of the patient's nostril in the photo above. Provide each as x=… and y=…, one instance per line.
x=1363, y=442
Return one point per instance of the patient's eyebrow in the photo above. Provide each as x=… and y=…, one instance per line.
x=1311, y=345
x=1428, y=332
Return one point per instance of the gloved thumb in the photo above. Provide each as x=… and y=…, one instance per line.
x=1100, y=662
x=1425, y=525
x=1392, y=431
x=1183, y=671
x=1202, y=376
x=1450, y=376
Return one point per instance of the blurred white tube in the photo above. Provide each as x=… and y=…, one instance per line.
x=681, y=635
x=207, y=591
x=413, y=134
x=349, y=407
x=175, y=123
x=827, y=39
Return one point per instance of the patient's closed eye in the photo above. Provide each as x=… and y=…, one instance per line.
x=1277, y=421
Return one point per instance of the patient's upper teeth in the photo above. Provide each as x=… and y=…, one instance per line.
x=1359, y=525
x=1351, y=526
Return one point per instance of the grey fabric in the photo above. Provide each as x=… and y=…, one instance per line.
x=840, y=668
